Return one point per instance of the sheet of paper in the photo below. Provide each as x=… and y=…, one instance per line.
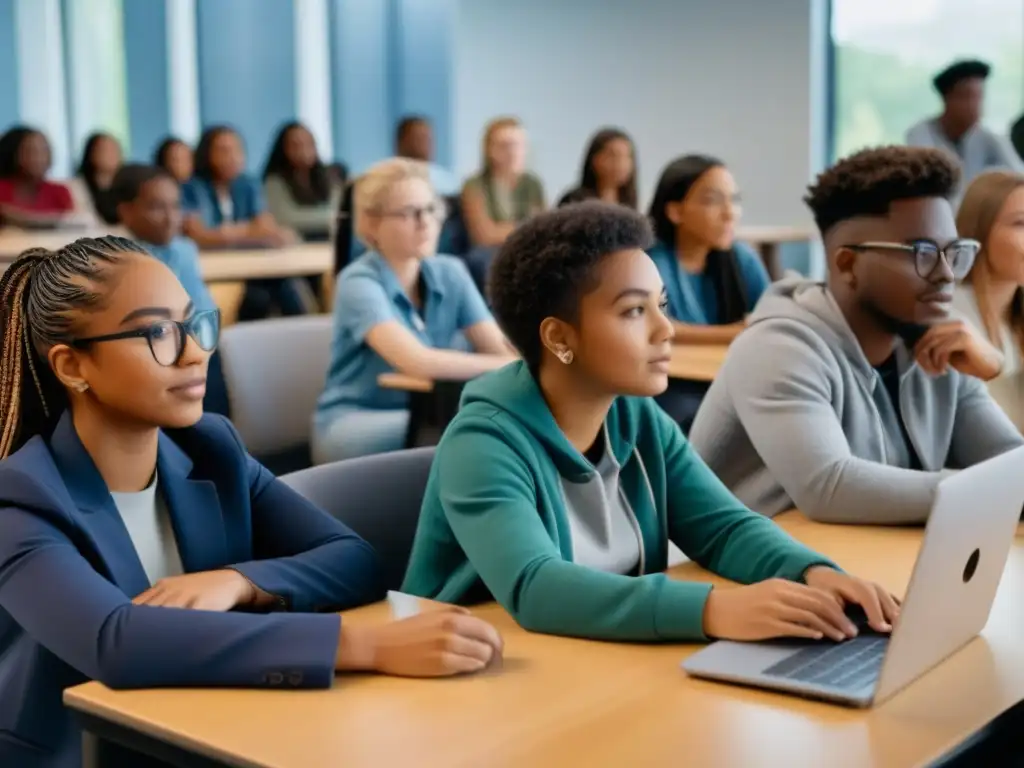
x=403, y=605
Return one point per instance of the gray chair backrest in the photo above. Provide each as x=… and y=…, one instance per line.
x=379, y=497
x=275, y=370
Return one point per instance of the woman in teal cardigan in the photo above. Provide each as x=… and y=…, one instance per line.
x=559, y=484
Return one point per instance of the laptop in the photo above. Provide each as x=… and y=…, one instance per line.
x=963, y=554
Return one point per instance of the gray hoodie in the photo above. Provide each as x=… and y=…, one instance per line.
x=797, y=416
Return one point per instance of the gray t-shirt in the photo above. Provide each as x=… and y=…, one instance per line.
x=605, y=534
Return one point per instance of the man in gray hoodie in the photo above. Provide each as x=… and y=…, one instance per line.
x=851, y=399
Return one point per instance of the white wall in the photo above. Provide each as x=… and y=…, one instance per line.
x=732, y=78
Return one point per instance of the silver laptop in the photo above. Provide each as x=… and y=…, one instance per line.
x=966, y=542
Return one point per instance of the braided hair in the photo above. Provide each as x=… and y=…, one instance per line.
x=39, y=296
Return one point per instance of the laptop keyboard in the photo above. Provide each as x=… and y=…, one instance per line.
x=849, y=665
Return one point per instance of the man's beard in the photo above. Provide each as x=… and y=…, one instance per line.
x=909, y=332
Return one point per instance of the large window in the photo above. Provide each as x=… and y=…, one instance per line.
x=94, y=58
x=887, y=51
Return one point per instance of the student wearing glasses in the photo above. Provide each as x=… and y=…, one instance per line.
x=140, y=545
x=398, y=307
x=850, y=399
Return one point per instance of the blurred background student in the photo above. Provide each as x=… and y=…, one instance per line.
x=414, y=139
x=91, y=187
x=224, y=208
x=302, y=192
x=175, y=157
x=27, y=198
x=500, y=196
x=712, y=282
x=991, y=297
x=609, y=171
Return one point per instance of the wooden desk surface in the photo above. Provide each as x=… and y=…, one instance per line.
x=759, y=235
x=14, y=241
x=694, y=362
x=560, y=701
x=217, y=266
x=290, y=261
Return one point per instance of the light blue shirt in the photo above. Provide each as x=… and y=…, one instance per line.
x=199, y=197
x=368, y=294
x=693, y=298
x=182, y=257
x=444, y=182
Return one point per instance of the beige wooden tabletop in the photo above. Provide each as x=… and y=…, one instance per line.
x=694, y=362
x=560, y=701
x=217, y=266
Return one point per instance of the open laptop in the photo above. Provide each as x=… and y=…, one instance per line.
x=966, y=542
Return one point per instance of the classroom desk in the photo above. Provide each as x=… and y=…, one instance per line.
x=290, y=261
x=220, y=266
x=768, y=239
x=13, y=241
x=692, y=362
x=566, y=702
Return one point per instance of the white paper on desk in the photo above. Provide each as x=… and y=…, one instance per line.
x=403, y=605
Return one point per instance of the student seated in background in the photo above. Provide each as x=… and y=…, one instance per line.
x=26, y=197
x=91, y=187
x=398, y=307
x=501, y=196
x=712, y=281
x=301, y=192
x=559, y=484
x=175, y=157
x=414, y=139
x=850, y=399
x=224, y=208
x=148, y=203
x=991, y=297
x=141, y=546
x=959, y=130
x=609, y=171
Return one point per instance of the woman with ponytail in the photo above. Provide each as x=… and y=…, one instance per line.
x=140, y=545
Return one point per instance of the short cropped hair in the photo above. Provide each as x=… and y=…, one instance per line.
x=947, y=79
x=131, y=178
x=550, y=262
x=868, y=182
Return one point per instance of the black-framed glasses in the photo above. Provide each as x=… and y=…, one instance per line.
x=959, y=255
x=436, y=210
x=166, y=338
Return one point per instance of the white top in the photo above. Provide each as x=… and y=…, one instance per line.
x=145, y=516
x=605, y=535
x=227, y=207
x=1007, y=389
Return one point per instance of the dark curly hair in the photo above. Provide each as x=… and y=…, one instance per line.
x=549, y=262
x=868, y=182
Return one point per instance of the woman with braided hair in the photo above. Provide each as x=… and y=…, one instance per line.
x=140, y=545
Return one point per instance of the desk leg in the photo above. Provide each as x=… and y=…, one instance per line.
x=772, y=262
x=109, y=745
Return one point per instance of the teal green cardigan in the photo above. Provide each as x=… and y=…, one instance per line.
x=494, y=512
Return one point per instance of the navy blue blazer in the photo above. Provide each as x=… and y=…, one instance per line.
x=68, y=573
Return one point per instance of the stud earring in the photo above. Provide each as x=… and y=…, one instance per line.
x=81, y=387
x=566, y=356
